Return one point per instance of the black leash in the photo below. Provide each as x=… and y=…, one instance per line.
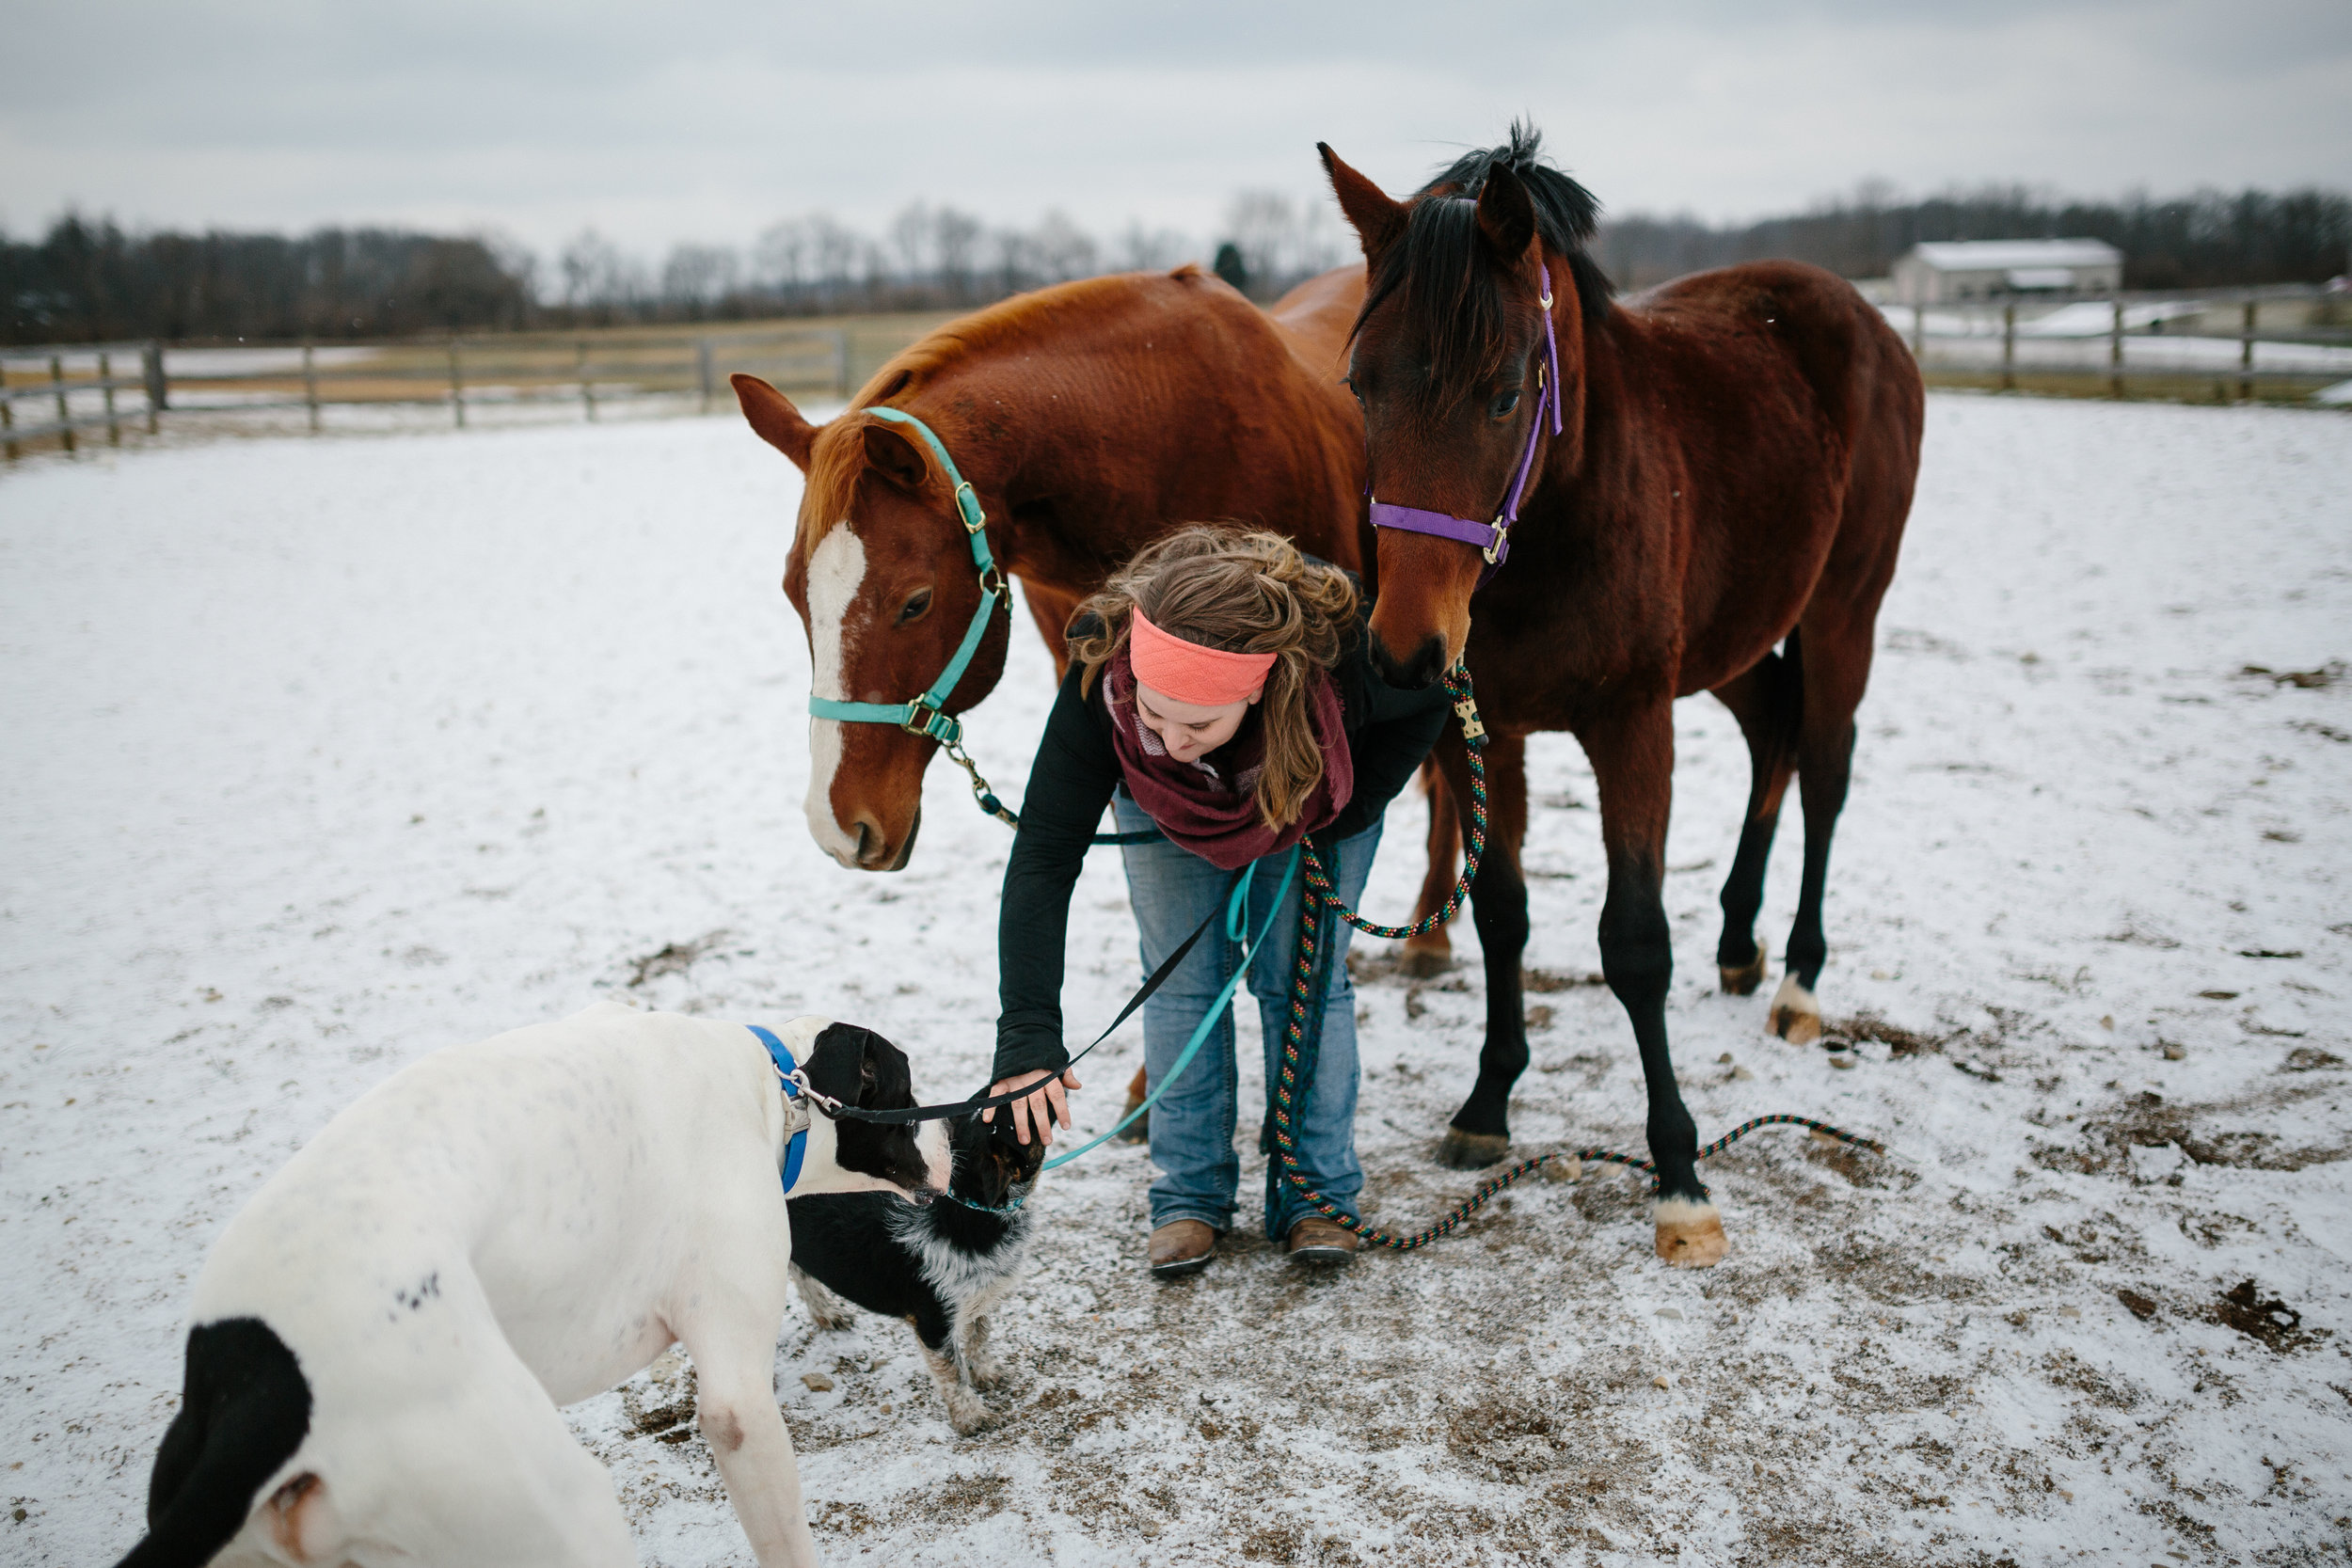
x=835, y=1109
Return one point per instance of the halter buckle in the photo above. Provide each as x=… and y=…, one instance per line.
x=993, y=581
x=968, y=507
x=922, y=714
x=1503, y=539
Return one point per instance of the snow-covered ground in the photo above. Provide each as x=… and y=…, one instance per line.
x=324, y=753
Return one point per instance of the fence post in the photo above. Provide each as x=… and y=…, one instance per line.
x=65, y=413
x=158, y=388
x=456, y=383
x=587, y=388
x=310, y=384
x=2115, y=352
x=106, y=380
x=1919, y=332
x=841, y=361
x=2246, y=355
x=2009, y=347
x=702, y=368
x=7, y=417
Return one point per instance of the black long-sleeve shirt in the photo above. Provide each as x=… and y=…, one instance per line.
x=1389, y=732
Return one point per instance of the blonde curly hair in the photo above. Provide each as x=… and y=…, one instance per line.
x=1244, y=591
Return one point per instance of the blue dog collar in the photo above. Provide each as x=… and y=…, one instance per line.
x=789, y=1071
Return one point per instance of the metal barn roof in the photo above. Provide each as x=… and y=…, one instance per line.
x=2002, y=255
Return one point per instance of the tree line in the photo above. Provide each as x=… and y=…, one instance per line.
x=87, y=280
x=92, y=282
x=2210, y=240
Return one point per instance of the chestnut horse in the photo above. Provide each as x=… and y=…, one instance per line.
x=1733, y=465
x=1090, y=419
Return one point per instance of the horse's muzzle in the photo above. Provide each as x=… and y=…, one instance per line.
x=1416, y=674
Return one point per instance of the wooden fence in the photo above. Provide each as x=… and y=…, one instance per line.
x=2287, y=343
x=39, y=379
x=69, y=389
x=2270, y=344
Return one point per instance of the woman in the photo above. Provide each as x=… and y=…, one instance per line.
x=1218, y=688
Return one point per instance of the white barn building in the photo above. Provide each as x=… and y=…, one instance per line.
x=1948, y=272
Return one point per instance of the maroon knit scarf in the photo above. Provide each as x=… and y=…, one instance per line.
x=1213, y=810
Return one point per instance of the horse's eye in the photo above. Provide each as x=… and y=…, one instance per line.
x=917, y=602
x=1503, y=404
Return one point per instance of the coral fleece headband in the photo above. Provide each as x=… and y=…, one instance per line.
x=1188, y=673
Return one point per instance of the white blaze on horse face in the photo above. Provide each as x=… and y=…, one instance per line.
x=836, y=569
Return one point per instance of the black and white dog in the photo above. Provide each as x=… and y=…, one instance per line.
x=943, y=1267
x=379, y=1341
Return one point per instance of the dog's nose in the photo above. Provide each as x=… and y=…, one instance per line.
x=922, y=1198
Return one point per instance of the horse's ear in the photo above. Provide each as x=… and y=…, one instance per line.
x=1506, y=214
x=774, y=418
x=897, y=458
x=1377, y=219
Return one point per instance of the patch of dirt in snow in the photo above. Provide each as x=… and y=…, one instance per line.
x=2087, y=981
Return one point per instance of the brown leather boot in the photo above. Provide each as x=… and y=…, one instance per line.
x=1318, y=1243
x=1181, y=1248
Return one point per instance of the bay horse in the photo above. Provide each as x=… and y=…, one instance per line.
x=1090, y=419
x=1716, y=477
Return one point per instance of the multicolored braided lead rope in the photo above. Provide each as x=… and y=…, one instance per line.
x=1320, y=898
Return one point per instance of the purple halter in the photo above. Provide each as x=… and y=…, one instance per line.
x=1492, y=539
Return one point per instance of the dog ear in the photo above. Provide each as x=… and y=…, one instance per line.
x=837, y=1061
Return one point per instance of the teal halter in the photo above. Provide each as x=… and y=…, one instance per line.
x=928, y=714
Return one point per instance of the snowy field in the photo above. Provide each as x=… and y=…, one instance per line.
x=323, y=753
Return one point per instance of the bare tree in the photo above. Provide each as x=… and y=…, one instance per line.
x=780, y=258
x=594, y=271
x=1144, y=249
x=957, y=239
x=697, y=277
x=915, y=236
x=1263, y=226
x=1062, y=249
x=833, y=252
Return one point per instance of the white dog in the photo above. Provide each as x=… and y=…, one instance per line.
x=379, y=1341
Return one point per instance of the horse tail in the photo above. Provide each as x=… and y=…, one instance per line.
x=245, y=1408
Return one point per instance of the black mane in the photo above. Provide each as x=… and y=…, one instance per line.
x=1444, y=270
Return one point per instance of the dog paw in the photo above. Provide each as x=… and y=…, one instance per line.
x=967, y=1412
x=985, y=1371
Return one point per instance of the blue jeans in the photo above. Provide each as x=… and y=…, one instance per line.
x=1192, y=1126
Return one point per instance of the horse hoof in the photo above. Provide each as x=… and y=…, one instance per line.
x=1462, y=1150
x=1796, y=1014
x=1424, y=958
x=1744, y=979
x=1690, y=1235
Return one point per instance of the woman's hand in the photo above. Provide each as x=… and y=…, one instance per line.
x=1035, y=1106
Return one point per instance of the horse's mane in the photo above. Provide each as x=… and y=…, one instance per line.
x=1443, y=271
x=834, y=473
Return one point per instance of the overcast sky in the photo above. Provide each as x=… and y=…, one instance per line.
x=707, y=120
